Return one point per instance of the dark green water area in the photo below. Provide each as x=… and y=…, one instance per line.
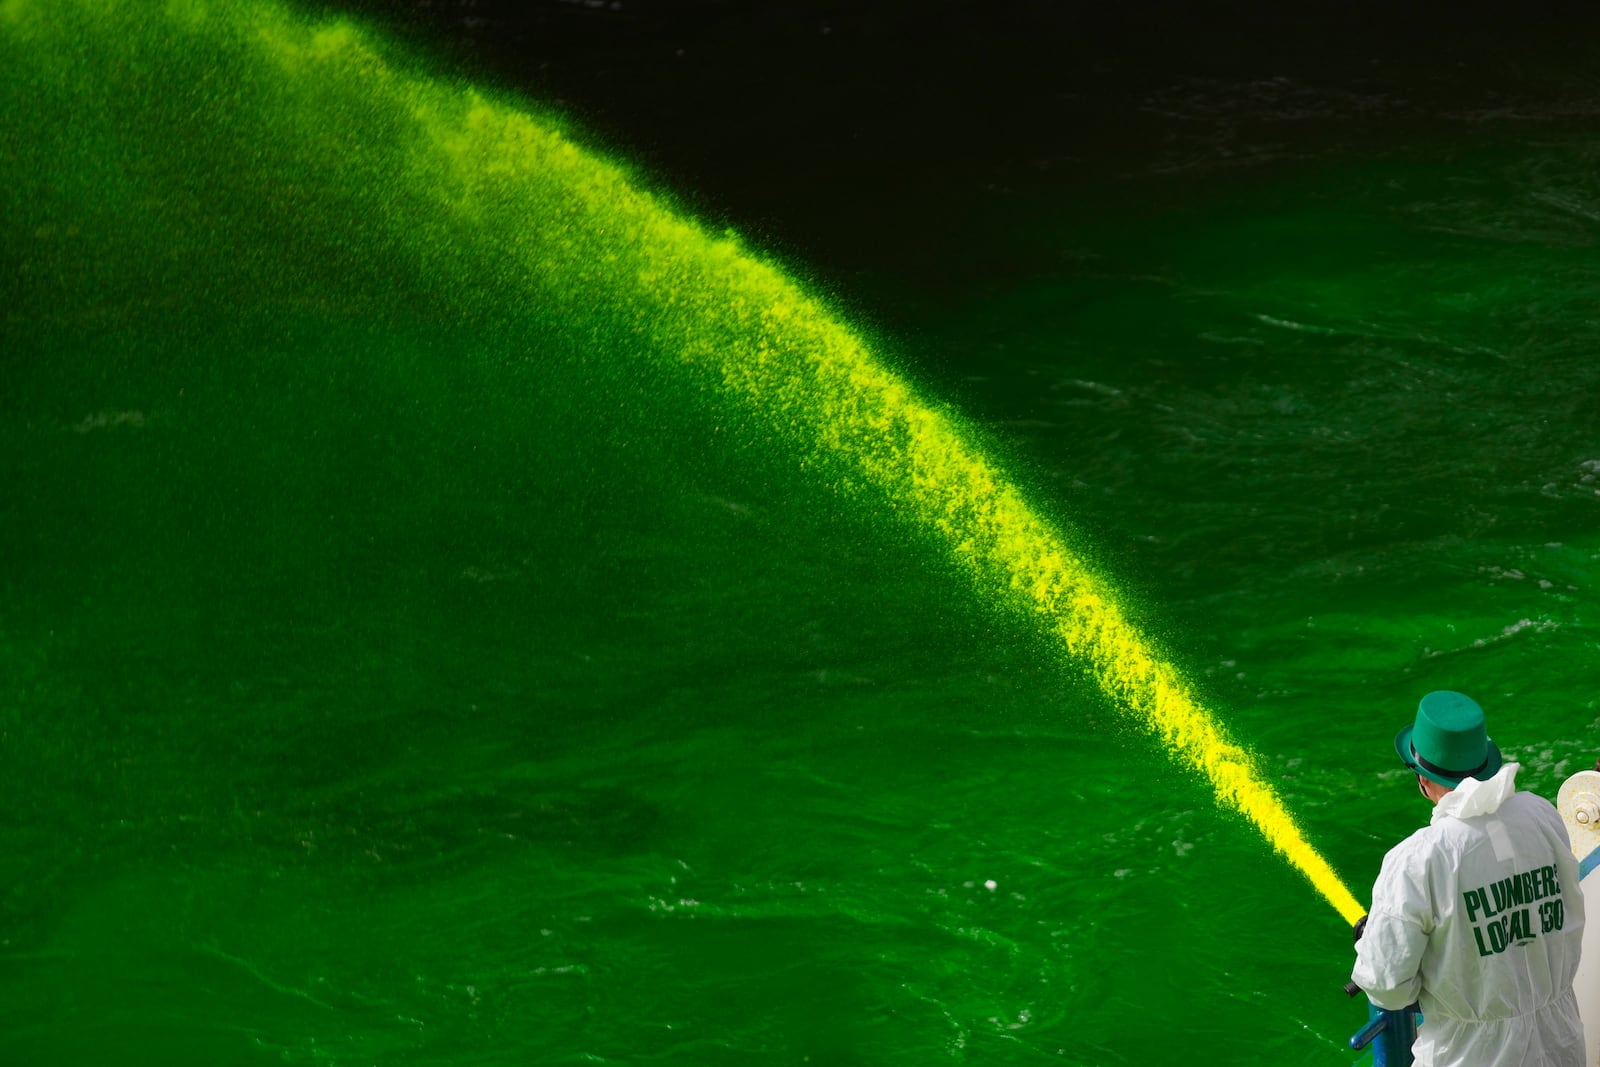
x=405, y=658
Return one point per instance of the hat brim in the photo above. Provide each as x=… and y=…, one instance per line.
x=1402, y=748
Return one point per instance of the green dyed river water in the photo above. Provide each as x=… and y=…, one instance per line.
x=409, y=656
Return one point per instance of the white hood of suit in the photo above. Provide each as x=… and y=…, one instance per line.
x=1473, y=797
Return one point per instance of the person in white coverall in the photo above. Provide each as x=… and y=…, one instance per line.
x=1478, y=916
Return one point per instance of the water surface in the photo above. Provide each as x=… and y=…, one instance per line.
x=404, y=662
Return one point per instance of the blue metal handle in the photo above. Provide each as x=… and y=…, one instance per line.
x=1364, y=1036
x=1390, y=1033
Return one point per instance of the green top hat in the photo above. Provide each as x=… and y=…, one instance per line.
x=1449, y=741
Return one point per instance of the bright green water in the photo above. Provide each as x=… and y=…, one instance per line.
x=403, y=661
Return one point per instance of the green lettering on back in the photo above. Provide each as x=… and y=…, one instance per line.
x=1471, y=897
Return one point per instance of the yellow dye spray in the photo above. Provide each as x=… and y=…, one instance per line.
x=482, y=196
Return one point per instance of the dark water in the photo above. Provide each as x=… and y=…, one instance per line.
x=403, y=660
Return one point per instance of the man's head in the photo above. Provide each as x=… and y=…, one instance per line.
x=1448, y=742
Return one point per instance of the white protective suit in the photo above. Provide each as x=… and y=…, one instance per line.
x=1478, y=916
